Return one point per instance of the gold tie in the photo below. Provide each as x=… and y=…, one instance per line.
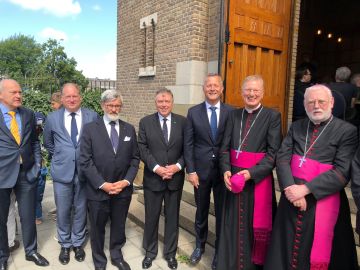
x=14, y=128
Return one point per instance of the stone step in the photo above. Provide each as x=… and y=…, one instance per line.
x=186, y=242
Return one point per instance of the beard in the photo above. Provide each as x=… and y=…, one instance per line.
x=318, y=118
x=113, y=116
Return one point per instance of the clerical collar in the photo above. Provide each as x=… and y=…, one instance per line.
x=253, y=110
x=322, y=123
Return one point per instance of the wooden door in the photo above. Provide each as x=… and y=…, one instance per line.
x=259, y=41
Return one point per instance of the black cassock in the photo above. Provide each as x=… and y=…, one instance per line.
x=236, y=236
x=290, y=249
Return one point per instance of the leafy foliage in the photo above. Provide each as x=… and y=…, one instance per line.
x=44, y=67
x=40, y=101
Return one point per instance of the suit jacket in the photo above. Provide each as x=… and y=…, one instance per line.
x=199, y=146
x=61, y=149
x=99, y=163
x=154, y=150
x=10, y=151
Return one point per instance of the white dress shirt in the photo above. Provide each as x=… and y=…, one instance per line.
x=67, y=122
x=209, y=111
x=108, y=127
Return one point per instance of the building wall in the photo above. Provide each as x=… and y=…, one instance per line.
x=186, y=49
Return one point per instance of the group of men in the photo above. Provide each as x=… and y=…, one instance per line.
x=230, y=152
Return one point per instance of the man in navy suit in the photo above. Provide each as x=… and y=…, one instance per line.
x=161, y=149
x=203, y=134
x=109, y=160
x=19, y=168
x=62, y=133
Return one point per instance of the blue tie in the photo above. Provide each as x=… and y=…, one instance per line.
x=114, y=136
x=74, y=129
x=213, y=122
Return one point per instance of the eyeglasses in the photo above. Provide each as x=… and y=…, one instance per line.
x=110, y=106
x=249, y=90
x=320, y=102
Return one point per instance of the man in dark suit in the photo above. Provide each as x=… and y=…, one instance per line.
x=109, y=160
x=19, y=168
x=161, y=149
x=203, y=134
x=62, y=133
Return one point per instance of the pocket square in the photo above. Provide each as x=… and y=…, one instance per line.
x=126, y=139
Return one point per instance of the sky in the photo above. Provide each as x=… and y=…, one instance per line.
x=85, y=28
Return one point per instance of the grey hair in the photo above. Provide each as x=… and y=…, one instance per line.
x=251, y=78
x=164, y=91
x=2, y=83
x=318, y=87
x=342, y=74
x=109, y=95
x=210, y=75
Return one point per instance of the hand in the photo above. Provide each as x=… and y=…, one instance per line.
x=162, y=172
x=172, y=169
x=194, y=179
x=246, y=174
x=118, y=187
x=227, y=176
x=301, y=203
x=296, y=192
x=107, y=187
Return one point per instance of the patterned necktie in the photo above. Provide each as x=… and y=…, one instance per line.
x=14, y=128
x=74, y=129
x=165, y=131
x=114, y=136
x=213, y=122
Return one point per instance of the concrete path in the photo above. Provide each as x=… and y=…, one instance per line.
x=49, y=248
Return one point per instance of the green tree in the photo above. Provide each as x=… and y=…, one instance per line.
x=19, y=55
x=43, y=67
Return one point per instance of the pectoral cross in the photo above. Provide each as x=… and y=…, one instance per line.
x=302, y=160
x=238, y=152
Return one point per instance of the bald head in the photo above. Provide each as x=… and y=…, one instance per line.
x=10, y=94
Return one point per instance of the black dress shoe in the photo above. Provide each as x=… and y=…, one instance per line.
x=147, y=262
x=214, y=263
x=172, y=263
x=3, y=266
x=79, y=254
x=121, y=264
x=64, y=256
x=37, y=259
x=196, y=255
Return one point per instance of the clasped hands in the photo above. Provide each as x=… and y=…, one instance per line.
x=167, y=172
x=296, y=195
x=227, y=176
x=114, y=188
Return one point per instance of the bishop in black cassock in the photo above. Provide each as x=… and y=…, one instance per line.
x=251, y=140
x=312, y=229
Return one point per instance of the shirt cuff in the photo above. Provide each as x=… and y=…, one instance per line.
x=156, y=167
x=102, y=185
x=192, y=173
x=179, y=166
x=129, y=184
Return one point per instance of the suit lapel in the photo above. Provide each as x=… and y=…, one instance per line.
x=205, y=120
x=62, y=123
x=23, y=124
x=104, y=134
x=156, y=123
x=122, y=135
x=173, y=130
x=4, y=128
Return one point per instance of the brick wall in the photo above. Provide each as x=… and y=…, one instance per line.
x=186, y=30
